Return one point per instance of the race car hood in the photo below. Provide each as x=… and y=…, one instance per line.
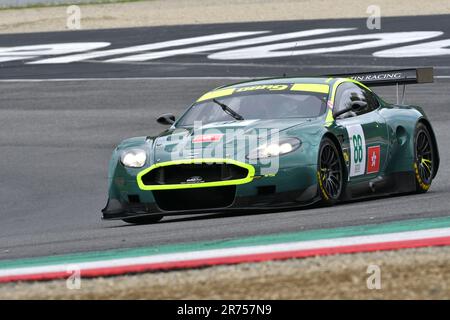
x=207, y=141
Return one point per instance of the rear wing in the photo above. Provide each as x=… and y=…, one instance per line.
x=392, y=77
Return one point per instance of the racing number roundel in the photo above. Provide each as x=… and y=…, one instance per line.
x=357, y=150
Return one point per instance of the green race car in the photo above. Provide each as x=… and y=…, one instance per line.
x=277, y=143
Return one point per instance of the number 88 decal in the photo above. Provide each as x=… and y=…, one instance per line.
x=357, y=150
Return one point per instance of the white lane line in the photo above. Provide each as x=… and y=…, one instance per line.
x=237, y=251
x=125, y=79
x=147, y=78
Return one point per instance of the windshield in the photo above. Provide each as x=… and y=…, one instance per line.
x=258, y=106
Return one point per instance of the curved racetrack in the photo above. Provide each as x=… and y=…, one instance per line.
x=56, y=138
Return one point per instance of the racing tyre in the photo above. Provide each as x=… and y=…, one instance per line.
x=330, y=172
x=423, y=158
x=144, y=220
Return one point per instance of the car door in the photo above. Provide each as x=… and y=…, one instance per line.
x=366, y=142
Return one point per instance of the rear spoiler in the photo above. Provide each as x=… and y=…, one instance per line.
x=392, y=77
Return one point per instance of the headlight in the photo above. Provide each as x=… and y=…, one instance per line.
x=284, y=146
x=134, y=158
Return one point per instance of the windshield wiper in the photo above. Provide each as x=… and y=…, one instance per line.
x=228, y=110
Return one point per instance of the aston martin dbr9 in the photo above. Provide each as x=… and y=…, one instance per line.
x=277, y=143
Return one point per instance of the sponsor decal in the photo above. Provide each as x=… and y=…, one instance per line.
x=195, y=179
x=346, y=157
x=307, y=87
x=357, y=150
x=381, y=76
x=213, y=137
x=373, y=159
x=271, y=87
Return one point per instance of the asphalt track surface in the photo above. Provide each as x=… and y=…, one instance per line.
x=198, y=65
x=56, y=138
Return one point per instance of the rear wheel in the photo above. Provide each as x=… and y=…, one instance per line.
x=423, y=158
x=330, y=172
x=144, y=220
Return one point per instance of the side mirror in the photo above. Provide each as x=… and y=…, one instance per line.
x=166, y=119
x=355, y=106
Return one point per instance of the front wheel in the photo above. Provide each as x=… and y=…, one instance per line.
x=144, y=220
x=423, y=158
x=330, y=172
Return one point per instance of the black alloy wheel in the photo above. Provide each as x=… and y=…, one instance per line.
x=330, y=172
x=424, y=158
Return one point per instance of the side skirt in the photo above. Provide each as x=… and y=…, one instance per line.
x=395, y=183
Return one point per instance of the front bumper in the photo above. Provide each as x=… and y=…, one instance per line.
x=289, y=187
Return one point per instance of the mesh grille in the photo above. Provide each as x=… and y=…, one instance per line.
x=194, y=173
